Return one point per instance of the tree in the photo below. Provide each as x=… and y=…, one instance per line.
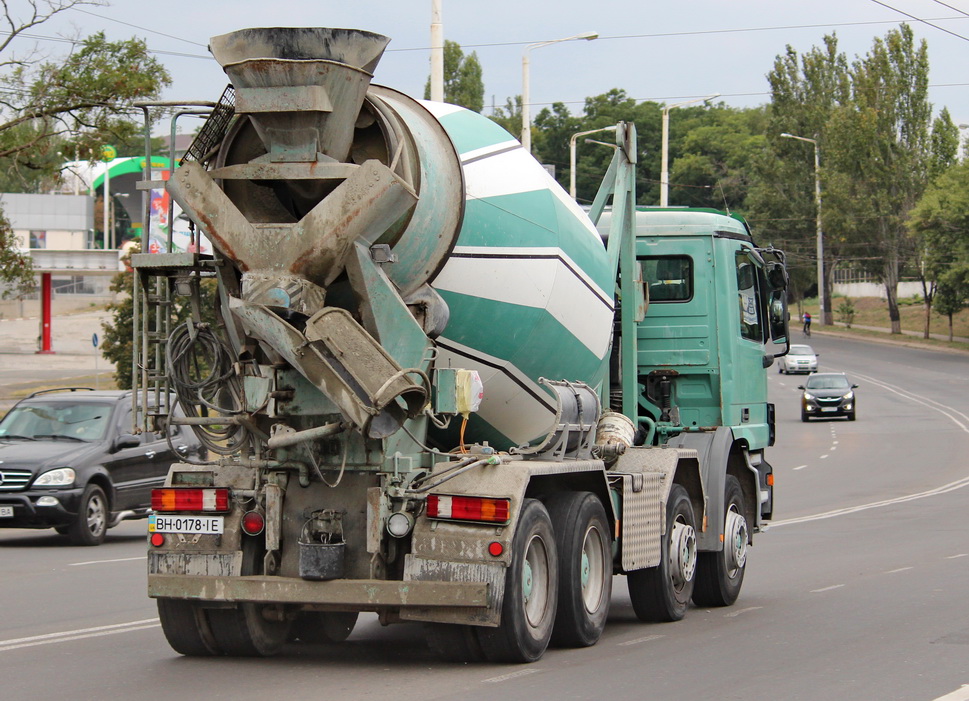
x=881, y=143
x=74, y=104
x=463, y=81
x=16, y=269
x=510, y=116
x=939, y=225
x=952, y=294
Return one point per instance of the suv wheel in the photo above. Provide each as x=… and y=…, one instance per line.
x=92, y=518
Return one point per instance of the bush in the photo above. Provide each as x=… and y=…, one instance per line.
x=846, y=312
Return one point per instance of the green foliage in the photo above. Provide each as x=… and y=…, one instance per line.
x=510, y=116
x=16, y=269
x=939, y=222
x=846, y=312
x=463, y=78
x=952, y=293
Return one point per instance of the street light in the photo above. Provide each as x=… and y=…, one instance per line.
x=437, y=53
x=825, y=320
x=664, y=176
x=572, y=140
x=526, y=116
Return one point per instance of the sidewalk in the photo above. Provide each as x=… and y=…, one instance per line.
x=797, y=337
x=73, y=362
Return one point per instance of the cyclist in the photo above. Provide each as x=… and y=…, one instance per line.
x=807, y=323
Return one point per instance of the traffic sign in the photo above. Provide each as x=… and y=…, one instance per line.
x=94, y=340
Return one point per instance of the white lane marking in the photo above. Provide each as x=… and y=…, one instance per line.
x=510, y=675
x=103, y=562
x=800, y=467
x=834, y=443
x=646, y=639
x=900, y=569
x=833, y=448
x=80, y=634
x=960, y=694
x=823, y=457
x=953, y=557
x=943, y=409
x=950, y=487
x=818, y=591
x=734, y=614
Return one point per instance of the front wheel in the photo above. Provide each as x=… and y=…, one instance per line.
x=91, y=523
x=531, y=582
x=663, y=593
x=585, y=568
x=719, y=575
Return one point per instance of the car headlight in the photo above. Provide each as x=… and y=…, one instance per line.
x=808, y=395
x=848, y=397
x=58, y=477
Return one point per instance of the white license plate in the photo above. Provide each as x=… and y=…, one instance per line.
x=829, y=408
x=207, y=525
x=6, y=512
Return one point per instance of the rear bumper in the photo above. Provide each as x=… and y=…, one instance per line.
x=358, y=594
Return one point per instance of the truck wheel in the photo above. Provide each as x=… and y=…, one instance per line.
x=531, y=583
x=92, y=518
x=454, y=642
x=585, y=568
x=662, y=593
x=186, y=628
x=323, y=627
x=719, y=575
x=249, y=630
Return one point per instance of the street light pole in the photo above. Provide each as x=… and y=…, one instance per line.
x=664, y=176
x=825, y=314
x=526, y=112
x=437, y=53
x=572, y=140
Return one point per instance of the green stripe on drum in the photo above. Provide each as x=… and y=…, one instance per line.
x=525, y=220
x=470, y=131
x=528, y=337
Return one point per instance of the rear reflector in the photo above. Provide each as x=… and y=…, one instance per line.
x=190, y=499
x=480, y=509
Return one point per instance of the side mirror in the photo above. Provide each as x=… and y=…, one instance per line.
x=126, y=440
x=800, y=386
x=854, y=386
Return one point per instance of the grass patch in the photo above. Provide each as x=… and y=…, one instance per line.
x=873, y=311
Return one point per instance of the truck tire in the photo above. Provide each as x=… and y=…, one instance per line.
x=662, y=593
x=584, y=548
x=454, y=642
x=186, y=628
x=245, y=630
x=323, y=627
x=91, y=523
x=719, y=575
x=531, y=584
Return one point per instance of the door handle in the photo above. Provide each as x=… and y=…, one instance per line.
x=150, y=454
x=182, y=449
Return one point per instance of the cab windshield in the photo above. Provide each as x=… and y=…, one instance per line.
x=56, y=420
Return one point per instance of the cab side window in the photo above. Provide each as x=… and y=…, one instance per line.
x=668, y=278
x=751, y=327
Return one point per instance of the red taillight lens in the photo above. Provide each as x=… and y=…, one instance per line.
x=253, y=523
x=213, y=499
x=157, y=540
x=482, y=509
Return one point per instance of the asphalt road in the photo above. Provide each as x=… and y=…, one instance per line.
x=858, y=590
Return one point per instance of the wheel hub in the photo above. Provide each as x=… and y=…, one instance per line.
x=735, y=538
x=682, y=553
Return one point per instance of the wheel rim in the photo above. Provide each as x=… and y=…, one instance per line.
x=535, y=581
x=735, y=540
x=95, y=515
x=682, y=553
x=592, y=572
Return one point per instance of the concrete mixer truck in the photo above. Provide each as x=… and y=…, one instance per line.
x=438, y=390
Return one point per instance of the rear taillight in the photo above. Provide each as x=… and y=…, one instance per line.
x=212, y=499
x=481, y=509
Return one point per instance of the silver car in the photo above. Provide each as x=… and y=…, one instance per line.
x=800, y=359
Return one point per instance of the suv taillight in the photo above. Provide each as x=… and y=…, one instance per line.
x=213, y=499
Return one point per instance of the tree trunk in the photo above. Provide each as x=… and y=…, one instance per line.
x=890, y=277
x=950, y=328
x=928, y=318
x=827, y=316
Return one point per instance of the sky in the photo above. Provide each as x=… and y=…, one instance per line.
x=661, y=51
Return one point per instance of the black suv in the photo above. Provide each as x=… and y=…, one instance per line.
x=69, y=461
